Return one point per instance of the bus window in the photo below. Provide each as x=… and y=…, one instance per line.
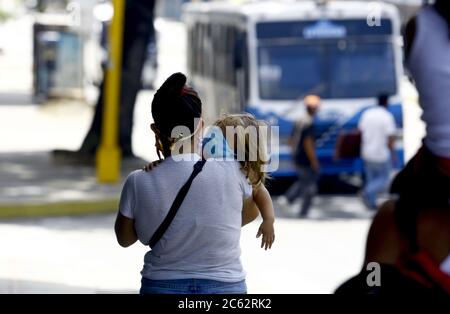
x=335, y=69
x=226, y=54
x=230, y=70
x=361, y=70
x=190, y=52
x=198, y=49
x=240, y=67
x=207, y=61
x=215, y=41
x=290, y=72
x=221, y=54
x=205, y=51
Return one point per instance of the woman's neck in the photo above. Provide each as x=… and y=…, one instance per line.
x=186, y=147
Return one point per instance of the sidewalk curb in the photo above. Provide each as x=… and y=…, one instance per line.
x=64, y=208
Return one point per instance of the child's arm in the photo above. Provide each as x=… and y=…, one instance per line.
x=249, y=211
x=263, y=201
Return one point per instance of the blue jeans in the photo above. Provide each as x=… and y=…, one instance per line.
x=377, y=180
x=191, y=286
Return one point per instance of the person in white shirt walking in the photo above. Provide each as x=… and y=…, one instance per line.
x=377, y=127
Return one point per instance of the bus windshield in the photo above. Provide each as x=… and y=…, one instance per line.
x=342, y=68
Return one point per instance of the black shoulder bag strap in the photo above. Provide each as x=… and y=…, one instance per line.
x=176, y=204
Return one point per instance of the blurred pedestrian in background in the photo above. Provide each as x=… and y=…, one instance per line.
x=303, y=147
x=377, y=127
x=137, y=34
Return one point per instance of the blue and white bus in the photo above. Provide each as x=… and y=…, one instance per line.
x=264, y=57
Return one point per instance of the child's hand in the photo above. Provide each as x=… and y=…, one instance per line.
x=268, y=234
x=151, y=165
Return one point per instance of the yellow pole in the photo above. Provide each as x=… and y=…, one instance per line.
x=109, y=154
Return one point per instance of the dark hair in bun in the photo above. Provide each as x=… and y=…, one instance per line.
x=175, y=104
x=173, y=85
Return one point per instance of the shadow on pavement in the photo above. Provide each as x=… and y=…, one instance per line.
x=36, y=177
x=68, y=223
x=328, y=208
x=328, y=185
x=15, y=98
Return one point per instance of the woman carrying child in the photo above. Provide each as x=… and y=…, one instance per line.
x=197, y=234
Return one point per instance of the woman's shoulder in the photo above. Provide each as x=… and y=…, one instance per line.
x=135, y=174
x=224, y=165
x=155, y=168
x=130, y=180
x=230, y=169
x=138, y=176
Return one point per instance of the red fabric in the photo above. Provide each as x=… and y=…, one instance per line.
x=423, y=269
x=444, y=165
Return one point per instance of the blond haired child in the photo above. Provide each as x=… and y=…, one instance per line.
x=244, y=138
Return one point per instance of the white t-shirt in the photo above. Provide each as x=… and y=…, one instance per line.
x=429, y=64
x=203, y=239
x=377, y=124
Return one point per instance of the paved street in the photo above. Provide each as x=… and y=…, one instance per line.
x=80, y=254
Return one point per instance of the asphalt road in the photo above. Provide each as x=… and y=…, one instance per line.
x=80, y=254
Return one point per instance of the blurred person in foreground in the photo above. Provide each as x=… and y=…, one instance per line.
x=137, y=34
x=410, y=236
x=377, y=127
x=303, y=146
